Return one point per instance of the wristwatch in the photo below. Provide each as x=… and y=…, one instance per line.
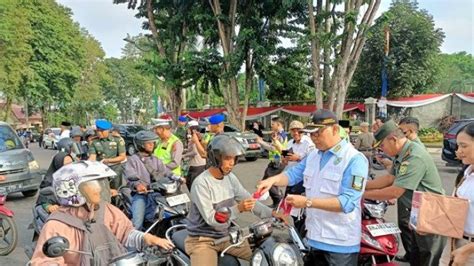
x=309, y=203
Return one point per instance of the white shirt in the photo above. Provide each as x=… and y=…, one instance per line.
x=302, y=149
x=466, y=190
x=65, y=134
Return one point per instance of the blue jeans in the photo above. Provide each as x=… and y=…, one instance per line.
x=143, y=207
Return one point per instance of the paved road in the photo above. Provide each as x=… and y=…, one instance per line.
x=248, y=172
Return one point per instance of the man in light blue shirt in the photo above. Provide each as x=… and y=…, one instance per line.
x=334, y=178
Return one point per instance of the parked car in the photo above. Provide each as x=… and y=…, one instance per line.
x=128, y=131
x=449, y=141
x=17, y=164
x=247, y=139
x=51, y=137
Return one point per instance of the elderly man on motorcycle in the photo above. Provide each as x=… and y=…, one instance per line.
x=88, y=223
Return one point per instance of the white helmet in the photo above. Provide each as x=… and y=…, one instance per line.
x=67, y=179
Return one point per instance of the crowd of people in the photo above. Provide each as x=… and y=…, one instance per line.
x=315, y=168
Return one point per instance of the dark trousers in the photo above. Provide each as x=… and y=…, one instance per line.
x=406, y=234
x=193, y=172
x=421, y=250
x=272, y=170
x=116, y=182
x=324, y=258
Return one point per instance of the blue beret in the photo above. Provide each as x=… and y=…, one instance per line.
x=216, y=119
x=182, y=118
x=103, y=124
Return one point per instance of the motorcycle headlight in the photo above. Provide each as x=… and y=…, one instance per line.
x=284, y=255
x=33, y=165
x=257, y=259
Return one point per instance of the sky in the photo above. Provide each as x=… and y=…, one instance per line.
x=110, y=23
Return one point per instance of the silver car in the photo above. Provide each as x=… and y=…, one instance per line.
x=17, y=164
x=51, y=137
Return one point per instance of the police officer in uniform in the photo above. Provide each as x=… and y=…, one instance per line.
x=169, y=148
x=334, y=177
x=109, y=150
x=275, y=148
x=413, y=170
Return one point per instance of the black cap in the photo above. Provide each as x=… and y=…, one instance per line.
x=66, y=124
x=319, y=119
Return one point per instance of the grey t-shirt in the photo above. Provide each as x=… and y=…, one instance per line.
x=208, y=194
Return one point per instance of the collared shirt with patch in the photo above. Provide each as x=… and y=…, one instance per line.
x=109, y=147
x=349, y=196
x=415, y=170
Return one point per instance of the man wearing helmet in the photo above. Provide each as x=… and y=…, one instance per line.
x=88, y=223
x=217, y=198
x=141, y=170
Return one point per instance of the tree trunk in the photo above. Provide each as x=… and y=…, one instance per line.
x=315, y=53
x=248, y=85
x=7, y=109
x=327, y=51
x=350, y=50
x=44, y=119
x=226, y=36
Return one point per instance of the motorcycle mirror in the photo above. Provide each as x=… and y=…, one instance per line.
x=55, y=246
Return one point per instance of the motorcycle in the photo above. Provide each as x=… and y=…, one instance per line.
x=57, y=246
x=8, y=229
x=379, y=242
x=266, y=249
x=172, y=204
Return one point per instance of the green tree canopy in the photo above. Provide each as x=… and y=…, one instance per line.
x=456, y=74
x=413, y=62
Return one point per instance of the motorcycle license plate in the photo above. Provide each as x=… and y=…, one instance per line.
x=383, y=229
x=178, y=199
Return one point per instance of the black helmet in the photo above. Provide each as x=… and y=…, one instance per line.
x=65, y=145
x=88, y=133
x=141, y=137
x=223, y=145
x=76, y=132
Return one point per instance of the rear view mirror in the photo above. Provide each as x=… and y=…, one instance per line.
x=55, y=246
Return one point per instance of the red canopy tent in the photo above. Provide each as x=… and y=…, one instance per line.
x=257, y=112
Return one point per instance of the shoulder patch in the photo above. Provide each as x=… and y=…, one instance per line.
x=357, y=182
x=403, y=169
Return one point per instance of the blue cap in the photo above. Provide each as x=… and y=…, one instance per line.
x=182, y=118
x=102, y=124
x=216, y=119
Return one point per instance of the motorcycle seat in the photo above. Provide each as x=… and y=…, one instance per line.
x=179, y=238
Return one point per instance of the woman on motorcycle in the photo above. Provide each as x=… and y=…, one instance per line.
x=217, y=198
x=88, y=223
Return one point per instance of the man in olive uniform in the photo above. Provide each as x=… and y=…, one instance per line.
x=410, y=126
x=413, y=170
x=180, y=130
x=169, y=148
x=216, y=127
x=109, y=150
